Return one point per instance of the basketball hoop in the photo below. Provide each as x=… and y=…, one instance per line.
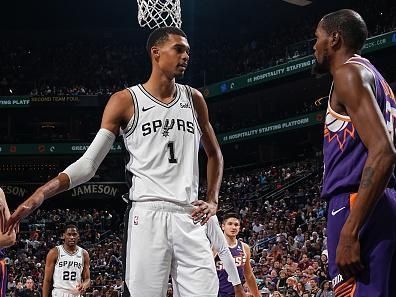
x=159, y=13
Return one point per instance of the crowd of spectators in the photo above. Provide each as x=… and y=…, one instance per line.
x=285, y=43
x=282, y=219
x=225, y=119
x=100, y=233
x=282, y=216
x=86, y=68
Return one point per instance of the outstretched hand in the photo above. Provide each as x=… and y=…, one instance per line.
x=23, y=210
x=4, y=222
x=12, y=224
x=203, y=211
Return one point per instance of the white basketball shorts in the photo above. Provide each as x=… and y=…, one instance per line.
x=161, y=239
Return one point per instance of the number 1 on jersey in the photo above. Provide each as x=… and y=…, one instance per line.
x=171, y=146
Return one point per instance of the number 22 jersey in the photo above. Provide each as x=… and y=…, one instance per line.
x=68, y=269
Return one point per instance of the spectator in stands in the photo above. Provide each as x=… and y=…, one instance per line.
x=270, y=251
x=18, y=289
x=314, y=287
x=29, y=290
x=325, y=290
x=281, y=283
x=304, y=263
x=300, y=288
x=300, y=236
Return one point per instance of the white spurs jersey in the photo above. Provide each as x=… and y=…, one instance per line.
x=68, y=269
x=163, y=143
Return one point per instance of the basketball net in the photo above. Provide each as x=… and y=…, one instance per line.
x=159, y=13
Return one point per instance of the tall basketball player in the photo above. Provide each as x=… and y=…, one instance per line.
x=6, y=240
x=67, y=267
x=359, y=157
x=162, y=124
x=240, y=251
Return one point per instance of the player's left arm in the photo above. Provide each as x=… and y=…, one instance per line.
x=353, y=86
x=215, y=161
x=86, y=275
x=6, y=239
x=248, y=272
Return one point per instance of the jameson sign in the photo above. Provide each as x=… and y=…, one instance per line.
x=289, y=68
x=50, y=149
x=272, y=128
x=97, y=189
x=88, y=190
x=16, y=190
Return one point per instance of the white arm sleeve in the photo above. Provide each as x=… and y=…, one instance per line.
x=84, y=168
x=219, y=243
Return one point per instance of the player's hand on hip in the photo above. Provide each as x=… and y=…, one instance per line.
x=203, y=211
x=348, y=254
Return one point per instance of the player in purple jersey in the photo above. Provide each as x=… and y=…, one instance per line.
x=359, y=157
x=222, y=253
x=241, y=254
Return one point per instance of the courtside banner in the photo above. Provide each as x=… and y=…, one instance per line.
x=302, y=121
x=50, y=149
x=51, y=101
x=291, y=67
x=86, y=190
x=14, y=101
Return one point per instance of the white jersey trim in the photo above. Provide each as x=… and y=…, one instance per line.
x=134, y=119
x=176, y=96
x=70, y=254
x=191, y=99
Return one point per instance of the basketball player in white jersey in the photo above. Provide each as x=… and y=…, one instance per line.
x=162, y=124
x=67, y=267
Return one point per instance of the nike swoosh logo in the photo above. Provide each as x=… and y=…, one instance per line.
x=334, y=212
x=148, y=108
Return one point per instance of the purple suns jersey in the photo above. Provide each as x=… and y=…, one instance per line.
x=344, y=152
x=237, y=252
x=3, y=273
